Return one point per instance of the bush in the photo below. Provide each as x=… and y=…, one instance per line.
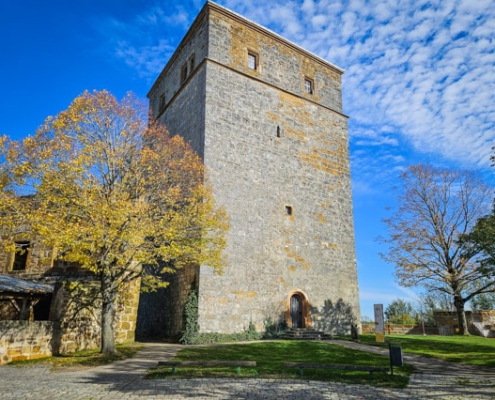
x=191, y=326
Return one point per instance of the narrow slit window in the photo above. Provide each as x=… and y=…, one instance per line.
x=252, y=61
x=308, y=85
x=288, y=210
x=162, y=101
x=278, y=131
x=192, y=62
x=183, y=73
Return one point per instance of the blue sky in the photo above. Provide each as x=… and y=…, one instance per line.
x=419, y=84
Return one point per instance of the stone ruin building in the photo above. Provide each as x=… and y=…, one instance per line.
x=266, y=117
x=39, y=317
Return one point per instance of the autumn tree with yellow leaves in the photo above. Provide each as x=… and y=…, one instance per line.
x=112, y=192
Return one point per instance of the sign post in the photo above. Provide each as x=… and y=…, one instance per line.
x=379, y=323
x=396, y=359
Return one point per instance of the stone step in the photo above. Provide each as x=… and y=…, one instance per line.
x=305, y=334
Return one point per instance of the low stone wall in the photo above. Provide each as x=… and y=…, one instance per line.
x=25, y=340
x=401, y=329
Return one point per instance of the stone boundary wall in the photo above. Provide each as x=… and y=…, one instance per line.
x=401, y=329
x=25, y=340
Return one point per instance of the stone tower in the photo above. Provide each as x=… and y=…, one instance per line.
x=266, y=117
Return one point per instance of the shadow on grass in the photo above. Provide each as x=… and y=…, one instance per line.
x=469, y=350
x=85, y=358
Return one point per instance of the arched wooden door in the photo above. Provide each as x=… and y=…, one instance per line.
x=296, y=311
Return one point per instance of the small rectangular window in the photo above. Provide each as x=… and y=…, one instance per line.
x=252, y=61
x=20, y=255
x=288, y=210
x=308, y=86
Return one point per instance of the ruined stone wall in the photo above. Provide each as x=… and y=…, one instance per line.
x=67, y=330
x=127, y=309
x=78, y=317
x=481, y=323
x=75, y=326
x=38, y=261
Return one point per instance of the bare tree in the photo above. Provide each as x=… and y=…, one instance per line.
x=436, y=207
x=429, y=302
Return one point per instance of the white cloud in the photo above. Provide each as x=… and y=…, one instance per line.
x=147, y=40
x=147, y=60
x=417, y=72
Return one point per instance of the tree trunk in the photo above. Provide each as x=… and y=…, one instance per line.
x=461, y=315
x=109, y=294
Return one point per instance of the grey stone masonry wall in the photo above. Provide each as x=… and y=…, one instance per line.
x=280, y=63
x=186, y=115
x=174, y=98
x=161, y=313
x=278, y=160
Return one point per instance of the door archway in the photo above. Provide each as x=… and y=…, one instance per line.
x=298, y=311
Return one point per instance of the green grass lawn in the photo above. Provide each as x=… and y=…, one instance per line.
x=270, y=356
x=471, y=350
